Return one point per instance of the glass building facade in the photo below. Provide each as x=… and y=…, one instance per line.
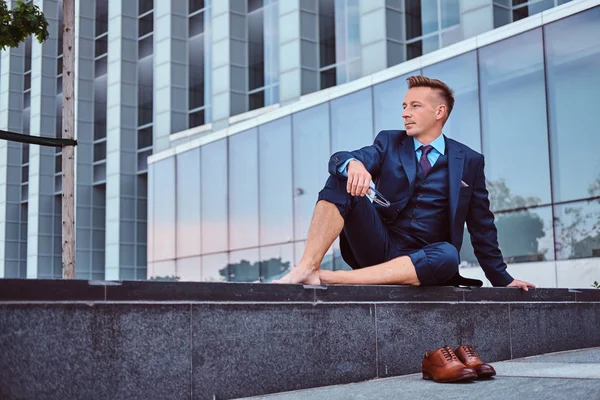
x=204, y=128
x=236, y=205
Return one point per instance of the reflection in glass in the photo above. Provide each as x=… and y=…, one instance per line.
x=311, y=157
x=514, y=118
x=212, y=265
x=573, y=62
x=460, y=73
x=189, y=269
x=214, y=197
x=243, y=189
x=164, y=209
x=244, y=266
x=577, y=230
x=275, y=261
x=388, y=98
x=523, y=236
x=188, y=203
x=275, y=170
x=352, y=121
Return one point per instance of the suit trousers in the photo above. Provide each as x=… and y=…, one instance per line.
x=374, y=242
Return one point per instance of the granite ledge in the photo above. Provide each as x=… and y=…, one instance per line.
x=41, y=290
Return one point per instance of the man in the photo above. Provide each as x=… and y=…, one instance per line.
x=433, y=184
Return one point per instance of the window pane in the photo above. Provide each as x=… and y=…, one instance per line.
x=414, y=49
x=244, y=266
x=523, y=236
x=532, y=9
x=450, y=13
x=311, y=155
x=188, y=203
x=145, y=24
x=101, y=16
x=145, y=47
x=514, y=118
x=326, y=32
x=214, y=267
x=460, y=73
x=144, y=138
x=328, y=78
x=101, y=47
x=196, y=119
x=573, y=62
x=164, y=209
x=257, y=100
x=578, y=230
x=501, y=16
x=275, y=169
x=196, y=72
x=243, y=187
x=421, y=17
x=352, y=121
x=195, y=5
x=256, y=50
x=100, y=151
x=275, y=261
x=196, y=25
x=214, y=197
x=145, y=5
x=145, y=92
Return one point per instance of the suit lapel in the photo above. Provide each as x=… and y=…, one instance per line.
x=455, y=170
x=408, y=158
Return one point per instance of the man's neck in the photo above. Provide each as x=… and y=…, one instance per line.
x=427, y=138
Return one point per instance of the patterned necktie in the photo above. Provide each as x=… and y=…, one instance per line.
x=424, y=161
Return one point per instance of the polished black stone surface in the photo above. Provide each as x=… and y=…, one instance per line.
x=51, y=290
x=547, y=328
x=184, y=340
x=406, y=331
x=82, y=290
x=256, y=349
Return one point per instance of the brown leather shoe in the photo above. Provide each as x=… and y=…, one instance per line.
x=442, y=365
x=467, y=356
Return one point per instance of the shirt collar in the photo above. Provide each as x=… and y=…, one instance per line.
x=439, y=144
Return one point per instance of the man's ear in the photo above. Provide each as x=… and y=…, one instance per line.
x=440, y=111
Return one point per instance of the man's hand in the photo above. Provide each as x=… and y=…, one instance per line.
x=359, y=179
x=521, y=284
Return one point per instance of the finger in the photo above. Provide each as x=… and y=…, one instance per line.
x=364, y=185
x=524, y=287
x=355, y=184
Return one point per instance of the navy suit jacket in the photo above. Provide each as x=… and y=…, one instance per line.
x=391, y=161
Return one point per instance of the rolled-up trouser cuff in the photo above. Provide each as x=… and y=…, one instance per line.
x=435, y=263
x=335, y=192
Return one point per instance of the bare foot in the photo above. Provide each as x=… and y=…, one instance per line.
x=301, y=274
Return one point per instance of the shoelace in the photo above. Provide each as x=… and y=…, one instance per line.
x=448, y=353
x=470, y=352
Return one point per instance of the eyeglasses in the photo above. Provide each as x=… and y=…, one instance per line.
x=378, y=198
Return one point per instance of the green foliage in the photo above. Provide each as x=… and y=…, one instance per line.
x=596, y=285
x=23, y=20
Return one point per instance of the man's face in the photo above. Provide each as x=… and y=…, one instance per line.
x=421, y=110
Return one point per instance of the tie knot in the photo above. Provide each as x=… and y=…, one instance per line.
x=426, y=149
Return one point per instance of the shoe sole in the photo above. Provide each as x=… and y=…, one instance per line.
x=467, y=377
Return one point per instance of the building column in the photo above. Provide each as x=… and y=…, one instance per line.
x=84, y=134
x=11, y=106
x=382, y=34
x=40, y=224
x=121, y=137
x=170, y=71
x=299, y=49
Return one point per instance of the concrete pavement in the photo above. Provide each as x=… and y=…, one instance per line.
x=565, y=375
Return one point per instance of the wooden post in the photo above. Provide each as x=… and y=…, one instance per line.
x=68, y=132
